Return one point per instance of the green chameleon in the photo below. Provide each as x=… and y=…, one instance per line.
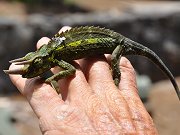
x=80, y=42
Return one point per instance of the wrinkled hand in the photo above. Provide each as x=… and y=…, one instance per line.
x=89, y=103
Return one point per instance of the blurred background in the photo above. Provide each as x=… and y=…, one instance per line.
x=155, y=24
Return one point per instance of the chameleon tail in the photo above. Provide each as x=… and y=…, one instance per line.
x=139, y=49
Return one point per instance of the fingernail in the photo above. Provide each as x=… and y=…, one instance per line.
x=64, y=28
x=43, y=40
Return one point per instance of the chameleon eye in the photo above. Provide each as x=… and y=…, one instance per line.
x=38, y=61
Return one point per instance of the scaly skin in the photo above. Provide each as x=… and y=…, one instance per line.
x=80, y=42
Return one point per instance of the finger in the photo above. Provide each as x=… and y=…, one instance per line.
x=128, y=89
x=17, y=80
x=98, y=74
x=43, y=40
x=36, y=92
x=56, y=69
x=63, y=29
x=100, y=79
x=73, y=88
x=128, y=76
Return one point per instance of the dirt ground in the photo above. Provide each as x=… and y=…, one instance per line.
x=165, y=109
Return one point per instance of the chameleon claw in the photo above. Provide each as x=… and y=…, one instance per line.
x=54, y=85
x=15, y=71
x=17, y=60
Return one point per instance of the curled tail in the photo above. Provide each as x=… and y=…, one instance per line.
x=138, y=49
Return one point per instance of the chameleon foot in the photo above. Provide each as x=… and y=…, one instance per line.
x=54, y=85
x=116, y=81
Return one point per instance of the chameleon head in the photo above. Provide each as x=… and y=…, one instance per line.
x=34, y=64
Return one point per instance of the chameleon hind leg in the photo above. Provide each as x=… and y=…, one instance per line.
x=68, y=70
x=115, y=58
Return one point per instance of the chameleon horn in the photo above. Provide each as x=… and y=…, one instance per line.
x=15, y=71
x=23, y=62
x=17, y=60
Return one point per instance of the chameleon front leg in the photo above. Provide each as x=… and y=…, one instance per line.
x=68, y=70
x=116, y=56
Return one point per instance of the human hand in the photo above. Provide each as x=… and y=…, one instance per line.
x=89, y=102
